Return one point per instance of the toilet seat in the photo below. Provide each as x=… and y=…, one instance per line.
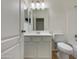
x=65, y=48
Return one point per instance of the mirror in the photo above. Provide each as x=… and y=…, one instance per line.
x=40, y=20
x=36, y=19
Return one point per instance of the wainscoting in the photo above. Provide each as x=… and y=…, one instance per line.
x=10, y=48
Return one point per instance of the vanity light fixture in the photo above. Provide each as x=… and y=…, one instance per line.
x=33, y=5
x=38, y=5
x=43, y=5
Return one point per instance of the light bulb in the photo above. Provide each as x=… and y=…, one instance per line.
x=32, y=5
x=38, y=5
x=42, y=5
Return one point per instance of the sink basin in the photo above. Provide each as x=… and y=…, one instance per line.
x=38, y=33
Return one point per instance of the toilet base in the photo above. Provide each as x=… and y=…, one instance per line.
x=62, y=55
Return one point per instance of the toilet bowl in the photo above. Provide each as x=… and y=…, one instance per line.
x=65, y=48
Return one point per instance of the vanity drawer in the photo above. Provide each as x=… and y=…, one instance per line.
x=46, y=38
x=26, y=39
x=36, y=39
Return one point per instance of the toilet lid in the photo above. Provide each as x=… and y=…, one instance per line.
x=64, y=46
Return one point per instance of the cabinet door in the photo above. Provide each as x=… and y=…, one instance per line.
x=44, y=49
x=29, y=50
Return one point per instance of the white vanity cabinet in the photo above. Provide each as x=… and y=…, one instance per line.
x=37, y=47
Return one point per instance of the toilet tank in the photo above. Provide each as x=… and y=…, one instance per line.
x=59, y=37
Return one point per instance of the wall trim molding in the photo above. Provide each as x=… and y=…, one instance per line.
x=9, y=37
x=8, y=43
x=9, y=49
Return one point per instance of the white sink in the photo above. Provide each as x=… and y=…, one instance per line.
x=38, y=33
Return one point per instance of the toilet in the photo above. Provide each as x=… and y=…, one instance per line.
x=64, y=49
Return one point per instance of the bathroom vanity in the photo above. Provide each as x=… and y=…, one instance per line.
x=37, y=45
x=37, y=39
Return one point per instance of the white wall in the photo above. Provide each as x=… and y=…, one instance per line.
x=57, y=21
x=71, y=22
